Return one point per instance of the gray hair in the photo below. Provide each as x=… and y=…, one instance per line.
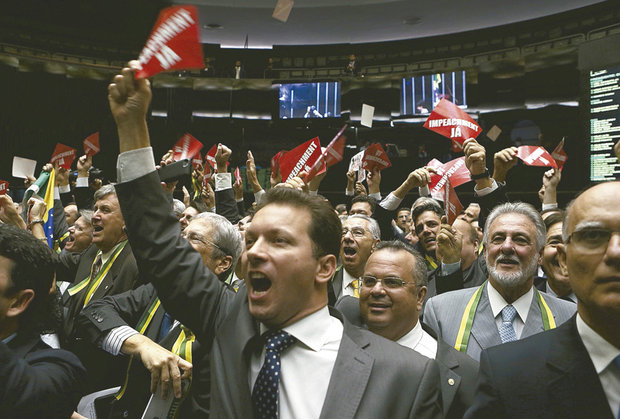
x=105, y=190
x=373, y=225
x=521, y=208
x=87, y=214
x=225, y=236
x=419, y=273
x=178, y=207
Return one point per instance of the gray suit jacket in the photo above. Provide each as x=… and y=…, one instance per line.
x=444, y=312
x=372, y=377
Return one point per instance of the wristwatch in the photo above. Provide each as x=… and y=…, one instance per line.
x=482, y=175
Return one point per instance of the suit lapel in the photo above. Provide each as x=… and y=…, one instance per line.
x=350, y=375
x=450, y=381
x=108, y=281
x=484, y=330
x=534, y=323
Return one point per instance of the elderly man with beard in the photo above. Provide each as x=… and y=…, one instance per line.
x=506, y=307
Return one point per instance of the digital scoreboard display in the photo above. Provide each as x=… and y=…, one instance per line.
x=604, y=123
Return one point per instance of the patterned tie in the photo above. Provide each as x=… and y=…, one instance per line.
x=506, y=331
x=355, y=284
x=265, y=393
x=96, y=267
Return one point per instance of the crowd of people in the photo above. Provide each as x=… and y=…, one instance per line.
x=300, y=308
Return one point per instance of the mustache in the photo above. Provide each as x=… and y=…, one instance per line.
x=507, y=258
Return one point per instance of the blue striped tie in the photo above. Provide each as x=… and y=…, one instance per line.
x=506, y=330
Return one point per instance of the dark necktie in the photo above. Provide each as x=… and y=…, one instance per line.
x=265, y=393
x=166, y=325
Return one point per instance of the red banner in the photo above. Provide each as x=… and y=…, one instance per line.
x=275, y=161
x=4, y=186
x=452, y=204
x=375, y=157
x=300, y=158
x=186, y=148
x=455, y=171
x=535, y=156
x=64, y=155
x=174, y=43
x=452, y=122
x=559, y=155
x=335, y=149
x=237, y=173
x=91, y=144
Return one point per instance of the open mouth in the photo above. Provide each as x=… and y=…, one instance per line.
x=349, y=251
x=507, y=261
x=260, y=283
x=97, y=228
x=429, y=240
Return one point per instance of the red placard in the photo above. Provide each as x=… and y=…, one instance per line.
x=375, y=157
x=186, y=148
x=4, y=186
x=64, y=155
x=535, y=156
x=174, y=43
x=197, y=161
x=275, y=161
x=206, y=175
x=452, y=122
x=455, y=171
x=335, y=149
x=91, y=144
x=452, y=204
x=210, y=156
x=559, y=155
x=237, y=173
x=300, y=158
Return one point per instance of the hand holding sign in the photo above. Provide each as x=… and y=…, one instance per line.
x=221, y=158
x=452, y=122
x=299, y=159
x=559, y=155
x=535, y=156
x=420, y=177
x=449, y=244
x=64, y=155
x=475, y=157
x=91, y=144
x=187, y=147
x=375, y=157
x=4, y=187
x=503, y=161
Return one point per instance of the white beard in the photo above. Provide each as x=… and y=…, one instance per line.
x=513, y=279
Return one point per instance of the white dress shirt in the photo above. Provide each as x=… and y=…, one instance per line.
x=522, y=305
x=420, y=341
x=347, y=279
x=602, y=354
x=306, y=367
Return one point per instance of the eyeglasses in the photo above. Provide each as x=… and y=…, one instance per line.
x=198, y=239
x=591, y=239
x=391, y=282
x=355, y=232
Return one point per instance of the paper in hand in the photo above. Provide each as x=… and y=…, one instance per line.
x=23, y=168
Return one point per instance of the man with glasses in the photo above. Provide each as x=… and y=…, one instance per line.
x=572, y=371
x=391, y=296
x=360, y=235
x=507, y=307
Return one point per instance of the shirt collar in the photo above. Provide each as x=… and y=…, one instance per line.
x=347, y=278
x=105, y=256
x=601, y=352
x=522, y=304
x=311, y=330
x=412, y=338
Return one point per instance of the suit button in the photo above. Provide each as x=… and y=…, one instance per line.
x=451, y=381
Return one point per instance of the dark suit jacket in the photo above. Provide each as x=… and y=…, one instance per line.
x=38, y=381
x=128, y=309
x=548, y=375
x=226, y=205
x=457, y=370
x=372, y=376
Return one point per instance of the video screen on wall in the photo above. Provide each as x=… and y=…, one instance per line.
x=310, y=100
x=420, y=94
x=604, y=115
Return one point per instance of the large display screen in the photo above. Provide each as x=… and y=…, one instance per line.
x=310, y=100
x=604, y=123
x=420, y=94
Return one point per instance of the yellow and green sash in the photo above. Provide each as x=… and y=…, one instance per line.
x=431, y=262
x=462, y=337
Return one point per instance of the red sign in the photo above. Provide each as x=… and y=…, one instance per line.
x=197, y=161
x=375, y=157
x=452, y=122
x=559, y=155
x=64, y=155
x=4, y=186
x=335, y=149
x=210, y=157
x=174, y=43
x=275, y=161
x=206, y=175
x=186, y=148
x=451, y=202
x=238, y=175
x=455, y=171
x=300, y=158
x=535, y=156
x=91, y=144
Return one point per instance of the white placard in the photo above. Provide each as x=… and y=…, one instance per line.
x=23, y=167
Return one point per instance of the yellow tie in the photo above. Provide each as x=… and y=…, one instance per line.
x=355, y=285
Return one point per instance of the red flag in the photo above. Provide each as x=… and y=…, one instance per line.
x=455, y=171
x=4, y=186
x=559, y=155
x=206, y=175
x=275, y=161
x=64, y=155
x=375, y=157
x=451, y=202
x=535, y=156
x=197, y=161
x=452, y=122
x=174, y=43
x=210, y=156
x=300, y=158
x=319, y=167
x=186, y=148
x=335, y=149
x=91, y=144
x=237, y=175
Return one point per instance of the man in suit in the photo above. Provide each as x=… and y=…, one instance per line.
x=106, y=267
x=360, y=235
x=37, y=381
x=329, y=368
x=391, y=296
x=507, y=307
x=572, y=371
